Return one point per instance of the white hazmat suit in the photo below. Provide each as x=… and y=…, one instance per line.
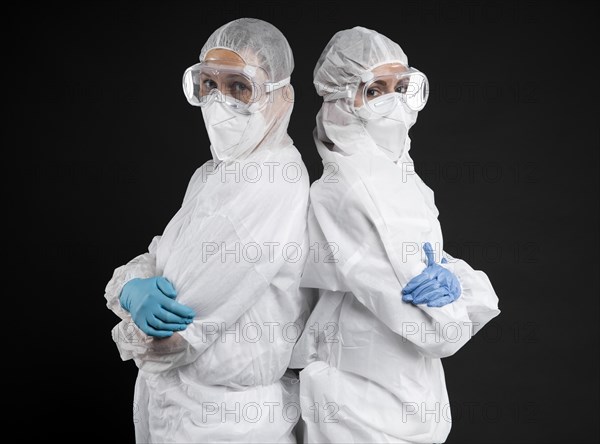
x=372, y=367
x=234, y=252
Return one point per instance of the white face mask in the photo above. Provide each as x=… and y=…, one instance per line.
x=390, y=131
x=231, y=133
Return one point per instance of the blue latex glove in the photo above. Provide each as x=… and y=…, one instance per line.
x=153, y=308
x=436, y=286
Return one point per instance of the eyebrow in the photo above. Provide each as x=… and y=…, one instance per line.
x=380, y=83
x=235, y=77
x=205, y=75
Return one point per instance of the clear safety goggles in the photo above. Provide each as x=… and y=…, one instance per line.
x=246, y=90
x=382, y=93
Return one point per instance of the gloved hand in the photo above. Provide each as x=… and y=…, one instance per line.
x=436, y=286
x=153, y=308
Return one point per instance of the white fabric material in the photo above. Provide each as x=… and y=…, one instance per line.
x=249, y=310
x=374, y=356
x=234, y=252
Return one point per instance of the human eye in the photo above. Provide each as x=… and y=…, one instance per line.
x=402, y=87
x=373, y=92
x=239, y=87
x=209, y=84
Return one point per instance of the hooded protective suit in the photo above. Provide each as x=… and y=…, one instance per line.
x=372, y=367
x=234, y=252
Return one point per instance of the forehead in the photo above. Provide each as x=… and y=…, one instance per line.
x=389, y=69
x=224, y=57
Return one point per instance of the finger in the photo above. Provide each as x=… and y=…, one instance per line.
x=428, y=296
x=166, y=287
x=451, y=281
x=407, y=297
x=415, y=282
x=429, y=285
x=455, y=289
x=156, y=333
x=431, y=295
x=159, y=325
x=455, y=293
x=444, y=260
x=171, y=318
x=177, y=308
x=429, y=253
x=435, y=271
x=444, y=276
x=440, y=302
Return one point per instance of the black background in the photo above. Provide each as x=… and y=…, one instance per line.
x=106, y=143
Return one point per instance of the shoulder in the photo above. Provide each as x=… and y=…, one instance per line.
x=199, y=177
x=338, y=191
x=278, y=175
